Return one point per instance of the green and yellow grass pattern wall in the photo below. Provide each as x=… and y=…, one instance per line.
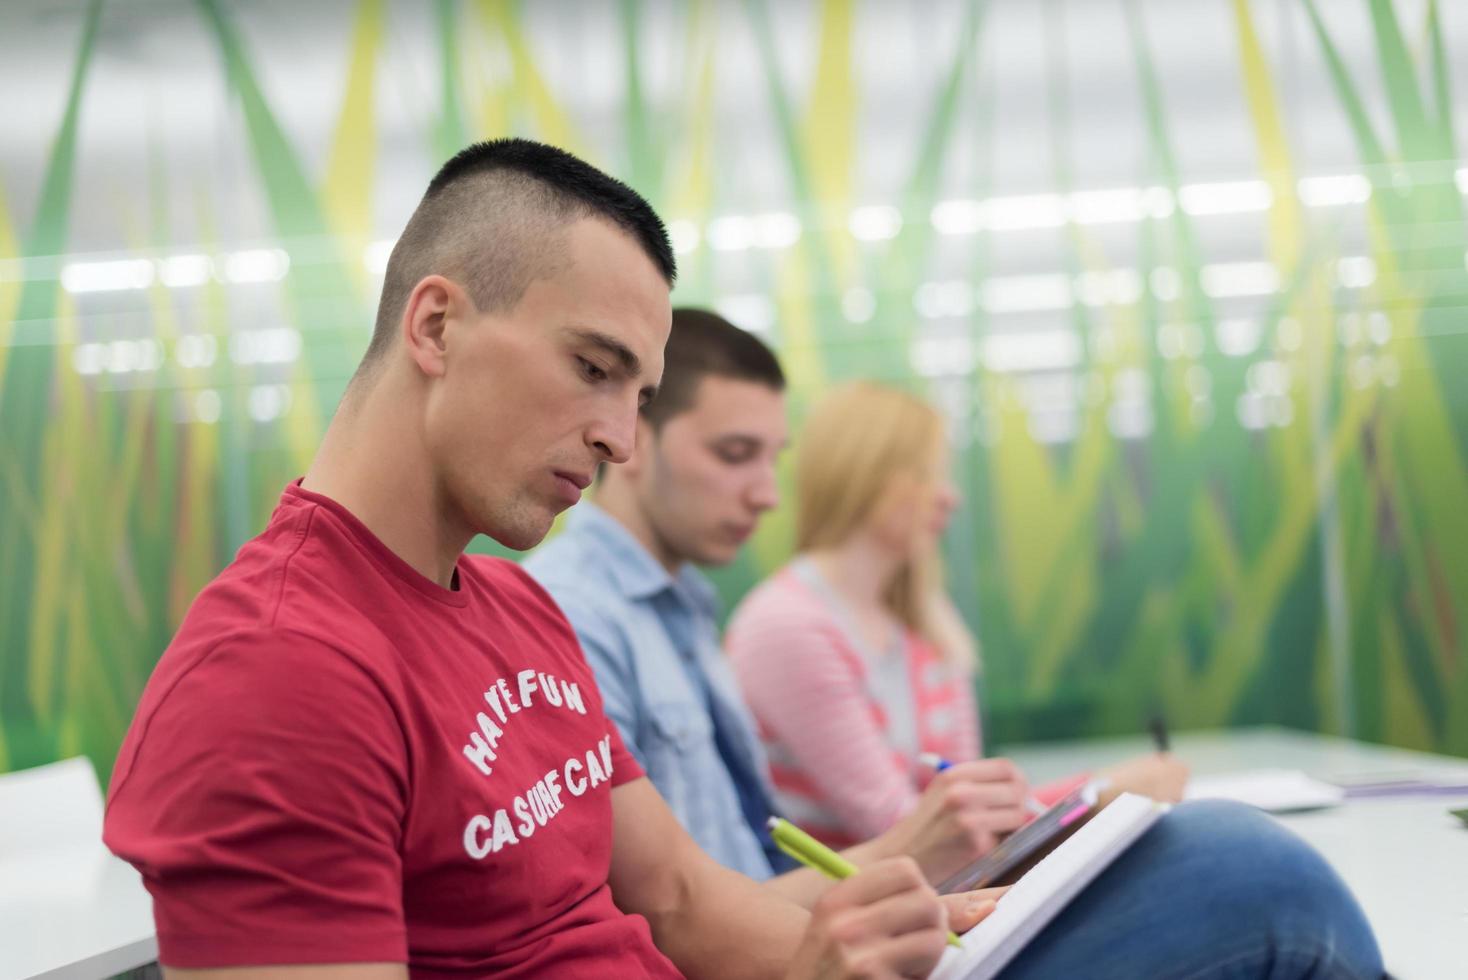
x=1235, y=518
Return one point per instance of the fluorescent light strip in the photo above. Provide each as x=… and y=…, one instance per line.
x=1223, y=280
x=1025, y=294
x=273, y=345
x=738, y=233
x=1225, y=197
x=375, y=256
x=1039, y=350
x=1324, y=192
x=182, y=271
x=98, y=277
x=874, y=223
x=939, y=356
x=754, y=312
x=256, y=265
x=684, y=236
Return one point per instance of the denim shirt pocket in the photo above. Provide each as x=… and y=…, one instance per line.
x=679, y=739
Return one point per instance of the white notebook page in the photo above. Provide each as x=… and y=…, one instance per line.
x=1047, y=888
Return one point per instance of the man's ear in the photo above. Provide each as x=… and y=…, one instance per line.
x=432, y=305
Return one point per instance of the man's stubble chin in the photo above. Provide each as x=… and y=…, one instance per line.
x=520, y=526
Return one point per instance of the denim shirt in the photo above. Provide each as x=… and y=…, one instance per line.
x=652, y=639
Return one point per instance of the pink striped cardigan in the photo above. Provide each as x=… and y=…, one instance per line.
x=843, y=726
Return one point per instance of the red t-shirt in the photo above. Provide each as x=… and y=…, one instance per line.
x=336, y=760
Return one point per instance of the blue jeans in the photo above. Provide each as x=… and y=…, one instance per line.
x=1214, y=890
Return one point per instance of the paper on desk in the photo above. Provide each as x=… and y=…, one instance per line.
x=1274, y=790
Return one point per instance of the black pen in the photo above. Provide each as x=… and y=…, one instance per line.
x=1158, y=727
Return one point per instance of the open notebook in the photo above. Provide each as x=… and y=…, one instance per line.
x=1047, y=888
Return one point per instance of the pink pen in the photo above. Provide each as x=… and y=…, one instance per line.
x=1070, y=817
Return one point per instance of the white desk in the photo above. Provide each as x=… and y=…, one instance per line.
x=80, y=914
x=1406, y=859
x=86, y=915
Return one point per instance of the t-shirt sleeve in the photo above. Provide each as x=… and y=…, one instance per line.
x=262, y=797
x=624, y=765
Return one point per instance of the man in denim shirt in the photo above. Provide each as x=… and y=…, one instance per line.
x=624, y=572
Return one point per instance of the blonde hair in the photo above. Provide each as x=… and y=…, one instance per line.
x=855, y=441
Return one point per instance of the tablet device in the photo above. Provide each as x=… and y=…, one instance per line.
x=1021, y=849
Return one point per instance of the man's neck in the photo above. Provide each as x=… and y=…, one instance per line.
x=618, y=499
x=372, y=462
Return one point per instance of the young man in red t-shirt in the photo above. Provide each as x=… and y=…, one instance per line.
x=365, y=754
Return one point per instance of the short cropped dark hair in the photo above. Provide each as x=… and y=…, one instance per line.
x=490, y=221
x=702, y=344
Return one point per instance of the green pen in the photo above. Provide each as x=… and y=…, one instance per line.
x=813, y=854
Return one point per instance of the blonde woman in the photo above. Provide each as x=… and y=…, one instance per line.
x=852, y=658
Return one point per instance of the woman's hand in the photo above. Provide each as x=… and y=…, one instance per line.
x=1162, y=776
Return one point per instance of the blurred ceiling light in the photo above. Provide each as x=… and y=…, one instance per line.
x=960, y=217
x=778, y=229
x=195, y=350
x=684, y=235
x=1225, y=279
x=1379, y=328
x=1024, y=211
x=1237, y=336
x=1110, y=287
x=1355, y=271
x=1321, y=192
x=127, y=356
x=754, y=312
x=1039, y=350
x=938, y=356
x=732, y=233
x=737, y=233
x=269, y=402
x=375, y=256
x=207, y=405
x=256, y=265
x=273, y=345
x=1252, y=410
x=1165, y=283
x=948, y=298
x=89, y=358
x=180, y=271
x=874, y=223
x=1225, y=197
x=1023, y=294
x=1268, y=377
x=858, y=304
x=1107, y=206
x=96, y=277
x=1158, y=202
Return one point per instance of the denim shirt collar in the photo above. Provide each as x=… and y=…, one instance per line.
x=638, y=574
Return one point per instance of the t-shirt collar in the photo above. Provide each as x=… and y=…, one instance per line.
x=381, y=554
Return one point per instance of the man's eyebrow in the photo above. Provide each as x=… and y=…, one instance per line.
x=630, y=362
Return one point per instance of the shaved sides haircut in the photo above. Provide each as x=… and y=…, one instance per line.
x=493, y=220
x=703, y=344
